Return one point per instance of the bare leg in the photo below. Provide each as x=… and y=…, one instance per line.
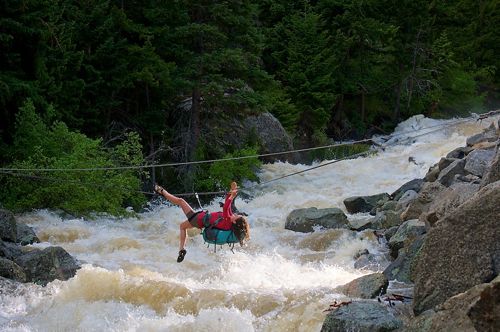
x=186, y=208
x=183, y=227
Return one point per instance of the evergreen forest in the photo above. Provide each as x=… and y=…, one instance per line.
x=113, y=84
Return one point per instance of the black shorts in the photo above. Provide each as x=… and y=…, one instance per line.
x=192, y=218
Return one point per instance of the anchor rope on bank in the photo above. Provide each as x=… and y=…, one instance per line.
x=17, y=172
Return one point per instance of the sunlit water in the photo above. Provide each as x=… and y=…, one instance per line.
x=281, y=281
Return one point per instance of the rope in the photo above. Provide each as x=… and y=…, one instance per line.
x=140, y=167
x=438, y=127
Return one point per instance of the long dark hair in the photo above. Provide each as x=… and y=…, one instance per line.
x=241, y=230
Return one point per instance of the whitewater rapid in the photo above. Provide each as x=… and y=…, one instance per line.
x=282, y=280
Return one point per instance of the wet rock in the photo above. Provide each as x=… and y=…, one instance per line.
x=400, y=269
x=461, y=251
x=406, y=233
x=447, y=175
x=360, y=224
x=390, y=232
x=371, y=262
x=10, y=270
x=8, y=226
x=358, y=204
x=432, y=174
x=9, y=250
x=386, y=219
x=415, y=185
x=389, y=206
x=304, y=220
x=478, y=160
x=459, y=153
x=406, y=199
x=361, y=316
x=366, y=287
x=488, y=135
x=44, y=266
x=25, y=235
x=445, y=162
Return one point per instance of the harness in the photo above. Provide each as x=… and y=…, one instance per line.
x=213, y=235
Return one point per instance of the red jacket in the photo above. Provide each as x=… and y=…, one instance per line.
x=226, y=213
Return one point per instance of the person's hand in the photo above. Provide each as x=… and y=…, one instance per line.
x=234, y=189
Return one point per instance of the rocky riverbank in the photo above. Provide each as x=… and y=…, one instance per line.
x=443, y=237
x=22, y=263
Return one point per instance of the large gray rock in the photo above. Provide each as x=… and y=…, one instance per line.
x=44, y=266
x=401, y=268
x=361, y=316
x=25, y=235
x=415, y=185
x=386, y=219
x=9, y=250
x=477, y=309
x=358, y=204
x=10, y=270
x=271, y=135
x=8, y=226
x=492, y=173
x=447, y=175
x=462, y=250
x=449, y=200
x=488, y=135
x=304, y=220
x=366, y=287
x=406, y=233
x=429, y=192
x=478, y=160
x=406, y=199
x=459, y=153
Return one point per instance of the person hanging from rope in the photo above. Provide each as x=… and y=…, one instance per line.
x=225, y=220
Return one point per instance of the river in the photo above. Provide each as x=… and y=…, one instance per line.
x=280, y=281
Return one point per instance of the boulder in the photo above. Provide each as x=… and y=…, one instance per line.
x=358, y=204
x=406, y=233
x=8, y=226
x=429, y=192
x=360, y=224
x=448, y=200
x=488, y=135
x=366, y=287
x=400, y=269
x=461, y=251
x=10, y=270
x=478, y=160
x=459, y=153
x=386, y=219
x=304, y=220
x=445, y=162
x=271, y=135
x=406, y=199
x=389, y=206
x=25, y=235
x=492, y=173
x=485, y=311
x=432, y=174
x=476, y=309
x=43, y=266
x=415, y=185
x=371, y=262
x=9, y=250
x=447, y=175
x=361, y=316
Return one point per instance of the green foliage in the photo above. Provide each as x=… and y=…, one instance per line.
x=218, y=175
x=78, y=193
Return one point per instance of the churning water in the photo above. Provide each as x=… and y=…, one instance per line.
x=281, y=281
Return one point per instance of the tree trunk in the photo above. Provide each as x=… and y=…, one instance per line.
x=397, y=106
